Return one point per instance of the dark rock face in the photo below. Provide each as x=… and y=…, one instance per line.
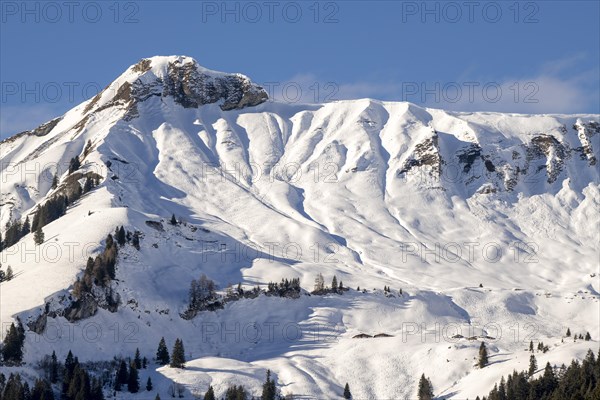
x=548, y=148
x=468, y=156
x=586, y=133
x=83, y=308
x=426, y=153
x=188, y=84
x=191, y=87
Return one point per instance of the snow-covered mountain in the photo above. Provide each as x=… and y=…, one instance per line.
x=488, y=222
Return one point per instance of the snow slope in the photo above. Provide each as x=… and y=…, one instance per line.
x=377, y=193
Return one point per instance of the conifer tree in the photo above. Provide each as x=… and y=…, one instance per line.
x=162, y=354
x=149, y=384
x=144, y=362
x=74, y=164
x=549, y=381
x=588, y=337
x=347, y=394
x=568, y=334
x=531, y=346
x=178, y=355
x=532, y=365
x=269, y=391
x=173, y=220
x=38, y=235
x=210, y=394
x=135, y=241
x=137, y=359
x=133, y=382
x=88, y=185
x=121, y=237
x=334, y=284
x=53, y=375
x=42, y=391
x=425, y=389
x=54, y=181
x=12, y=350
x=122, y=377
x=26, y=227
x=157, y=397
x=483, y=356
x=9, y=273
x=70, y=364
x=502, y=389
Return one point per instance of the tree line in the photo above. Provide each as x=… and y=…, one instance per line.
x=578, y=381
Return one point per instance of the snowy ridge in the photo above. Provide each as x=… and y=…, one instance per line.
x=377, y=193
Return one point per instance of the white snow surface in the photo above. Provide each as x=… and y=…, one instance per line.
x=287, y=190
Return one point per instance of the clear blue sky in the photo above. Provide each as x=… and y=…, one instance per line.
x=544, y=55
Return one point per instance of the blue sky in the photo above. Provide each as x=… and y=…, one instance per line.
x=533, y=57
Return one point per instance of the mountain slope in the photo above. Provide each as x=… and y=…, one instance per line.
x=376, y=193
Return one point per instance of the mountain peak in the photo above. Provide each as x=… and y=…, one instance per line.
x=182, y=79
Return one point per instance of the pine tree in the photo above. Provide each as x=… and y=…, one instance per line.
x=54, y=181
x=178, y=355
x=70, y=364
x=269, y=391
x=502, y=389
x=122, y=377
x=12, y=350
x=53, y=368
x=26, y=227
x=334, y=284
x=74, y=164
x=88, y=185
x=568, y=334
x=588, y=337
x=531, y=346
x=96, y=393
x=173, y=220
x=162, y=354
x=137, y=359
x=121, y=237
x=135, y=241
x=532, y=365
x=425, y=389
x=38, y=235
x=149, y=384
x=133, y=382
x=549, y=381
x=42, y=391
x=210, y=394
x=9, y=273
x=157, y=397
x=483, y=356
x=347, y=394
x=341, y=287
x=144, y=362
